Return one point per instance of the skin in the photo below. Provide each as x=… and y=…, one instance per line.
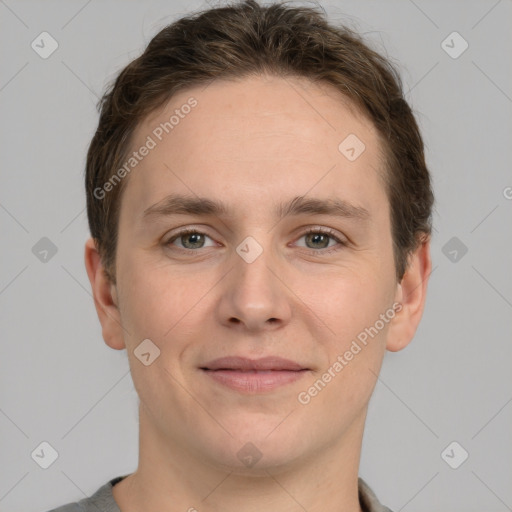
x=252, y=144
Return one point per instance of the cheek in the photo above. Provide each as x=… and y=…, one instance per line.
x=157, y=307
x=354, y=345
x=354, y=341
x=346, y=300
x=165, y=304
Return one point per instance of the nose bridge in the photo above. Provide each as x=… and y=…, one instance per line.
x=253, y=262
x=254, y=295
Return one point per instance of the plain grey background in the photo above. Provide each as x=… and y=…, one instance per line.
x=62, y=385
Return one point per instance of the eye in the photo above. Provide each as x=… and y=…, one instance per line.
x=317, y=239
x=189, y=239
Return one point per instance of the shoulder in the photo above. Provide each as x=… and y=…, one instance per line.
x=70, y=507
x=368, y=500
x=101, y=501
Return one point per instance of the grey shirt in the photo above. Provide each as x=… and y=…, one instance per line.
x=103, y=500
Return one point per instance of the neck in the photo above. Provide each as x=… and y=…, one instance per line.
x=170, y=477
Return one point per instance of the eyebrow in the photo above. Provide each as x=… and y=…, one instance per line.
x=175, y=204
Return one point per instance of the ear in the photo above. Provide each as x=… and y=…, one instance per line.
x=411, y=294
x=105, y=298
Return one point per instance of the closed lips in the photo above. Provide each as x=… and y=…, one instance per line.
x=263, y=365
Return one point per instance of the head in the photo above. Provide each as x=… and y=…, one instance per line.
x=260, y=122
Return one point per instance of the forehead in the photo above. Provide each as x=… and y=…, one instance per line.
x=281, y=136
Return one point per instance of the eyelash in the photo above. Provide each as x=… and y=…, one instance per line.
x=322, y=231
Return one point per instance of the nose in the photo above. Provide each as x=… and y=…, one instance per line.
x=253, y=297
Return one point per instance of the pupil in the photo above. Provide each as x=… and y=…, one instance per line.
x=195, y=237
x=315, y=236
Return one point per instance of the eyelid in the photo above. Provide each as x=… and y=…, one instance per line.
x=327, y=231
x=185, y=231
x=342, y=241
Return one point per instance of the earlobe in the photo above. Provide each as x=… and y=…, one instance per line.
x=105, y=297
x=411, y=293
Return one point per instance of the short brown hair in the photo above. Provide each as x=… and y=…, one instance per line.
x=243, y=39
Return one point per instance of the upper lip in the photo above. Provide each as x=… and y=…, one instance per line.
x=243, y=363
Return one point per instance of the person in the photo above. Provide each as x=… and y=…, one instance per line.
x=260, y=216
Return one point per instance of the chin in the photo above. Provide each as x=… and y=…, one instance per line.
x=257, y=451
x=254, y=462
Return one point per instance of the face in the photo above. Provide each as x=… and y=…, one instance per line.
x=288, y=255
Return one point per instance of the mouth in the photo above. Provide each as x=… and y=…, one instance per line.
x=244, y=364
x=254, y=375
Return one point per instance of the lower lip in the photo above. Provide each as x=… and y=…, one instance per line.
x=255, y=382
